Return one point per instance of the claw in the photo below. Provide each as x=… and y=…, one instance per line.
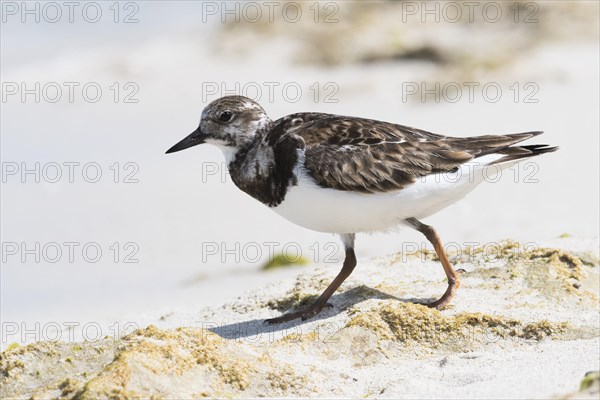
x=305, y=314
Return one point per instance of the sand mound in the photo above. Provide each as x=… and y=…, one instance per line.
x=518, y=308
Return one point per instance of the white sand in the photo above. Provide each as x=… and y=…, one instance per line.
x=332, y=356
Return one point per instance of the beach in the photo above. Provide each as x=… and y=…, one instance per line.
x=111, y=236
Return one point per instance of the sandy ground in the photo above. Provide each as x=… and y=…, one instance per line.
x=524, y=324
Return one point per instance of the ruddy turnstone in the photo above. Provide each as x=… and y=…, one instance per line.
x=346, y=175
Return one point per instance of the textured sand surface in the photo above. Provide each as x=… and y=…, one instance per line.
x=523, y=325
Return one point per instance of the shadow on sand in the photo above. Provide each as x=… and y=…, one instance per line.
x=338, y=303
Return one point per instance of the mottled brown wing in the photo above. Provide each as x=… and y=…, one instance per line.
x=329, y=129
x=368, y=156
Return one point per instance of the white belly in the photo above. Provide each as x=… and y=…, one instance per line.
x=337, y=211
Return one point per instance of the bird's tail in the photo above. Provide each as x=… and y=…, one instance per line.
x=515, y=153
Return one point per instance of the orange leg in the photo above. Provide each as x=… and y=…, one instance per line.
x=453, y=282
x=317, y=306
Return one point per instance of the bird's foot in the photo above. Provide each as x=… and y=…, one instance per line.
x=443, y=301
x=304, y=314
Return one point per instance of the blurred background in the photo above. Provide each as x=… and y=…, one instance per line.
x=98, y=224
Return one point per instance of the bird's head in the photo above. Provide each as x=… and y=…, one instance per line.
x=229, y=123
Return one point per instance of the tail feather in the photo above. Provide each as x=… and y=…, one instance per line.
x=478, y=146
x=490, y=144
x=503, y=146
x=517, y=152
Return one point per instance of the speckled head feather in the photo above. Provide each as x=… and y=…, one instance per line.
x=232, y=121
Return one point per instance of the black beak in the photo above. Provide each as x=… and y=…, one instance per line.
x=193, y=139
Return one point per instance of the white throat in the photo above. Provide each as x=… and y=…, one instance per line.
x=228, y=152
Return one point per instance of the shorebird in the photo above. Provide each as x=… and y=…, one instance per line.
x=345, y=175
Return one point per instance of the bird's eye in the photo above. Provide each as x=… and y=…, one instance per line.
x=226, y=116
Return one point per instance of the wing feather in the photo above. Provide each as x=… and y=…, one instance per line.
x=369, y=156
